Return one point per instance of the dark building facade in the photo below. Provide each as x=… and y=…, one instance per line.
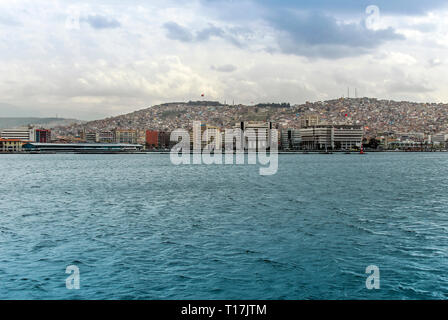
x=164, y=140
x=43, y=135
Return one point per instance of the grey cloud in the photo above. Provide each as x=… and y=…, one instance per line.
x=181, y=33
x=224, y=68
x=231, y=35
x=101, y=22
x=435, y=62
x=318, y=35
x=207, y=33
x=408, y=86
x=313, y=35
x=178, y=32
x=409, y=7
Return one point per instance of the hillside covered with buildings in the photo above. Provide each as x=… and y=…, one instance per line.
x=379, y=118
x=336, y=124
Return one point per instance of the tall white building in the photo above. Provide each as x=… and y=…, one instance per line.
x=23, y=133
x=213, y=138
x=309, y=120
x=125, y=136
x=257, y=134
x=291, y=138
x=205, y=135
x=196, y=138
x=331, y=137
x=440, y=138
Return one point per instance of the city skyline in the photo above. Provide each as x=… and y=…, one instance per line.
x=90, y=61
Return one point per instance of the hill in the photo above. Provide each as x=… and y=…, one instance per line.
x=377, y=116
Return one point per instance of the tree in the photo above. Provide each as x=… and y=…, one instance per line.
x=374, y=143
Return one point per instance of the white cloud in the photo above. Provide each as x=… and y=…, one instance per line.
x=125, y=60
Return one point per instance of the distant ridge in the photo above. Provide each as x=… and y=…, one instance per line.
x=11, y=122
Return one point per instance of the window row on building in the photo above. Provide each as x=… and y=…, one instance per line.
x=27, y=134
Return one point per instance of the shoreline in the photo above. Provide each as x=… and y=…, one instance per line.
x=191, y=153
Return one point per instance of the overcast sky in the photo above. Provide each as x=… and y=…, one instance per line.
x=93, y=59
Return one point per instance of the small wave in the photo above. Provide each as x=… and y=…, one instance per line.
x=44, y=245
x=279, y=265
x=367, y=230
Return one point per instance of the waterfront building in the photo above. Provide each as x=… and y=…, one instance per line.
x=204, y=135
x=290, y=139
x=10, y=145
x=164, y=140
x=440, y=138
x=335, y=137
x=42, y=135
x=82, y=135
x=309, y=120
x=125, y=136
x=196, y=136
x=380, y=117
x=213, y=138
x=141, y=137
x=97, y=137
x=411, y=136
x=23, y=133
x=106, y=137
x=81, y=147
x=152, y=139
x=257, y=134
x=91, y=137
x=408, y=145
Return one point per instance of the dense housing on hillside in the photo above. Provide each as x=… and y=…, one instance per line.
x=336, y=124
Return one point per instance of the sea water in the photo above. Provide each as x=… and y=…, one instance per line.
x=138, y=227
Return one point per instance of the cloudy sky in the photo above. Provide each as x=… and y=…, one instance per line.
x=93, y=59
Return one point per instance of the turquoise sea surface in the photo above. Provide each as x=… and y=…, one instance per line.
x=139, y=227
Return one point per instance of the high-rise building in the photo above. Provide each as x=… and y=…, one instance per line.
x=98, y=137
x=23, y=133
x=28, y=134
x=42, y=135
x=205, y=136
x=257, y=134
x=91, y=137
x=152, y=139
x=290, y=139
x=125, y=136
x=106, y=137
x=309, y=120
x=213, y=138
x=164, y=140
x=440, y=138
x=331, y=137
x=141, y=136
x=196, y=136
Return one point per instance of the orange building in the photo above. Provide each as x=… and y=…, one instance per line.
x=11, y=145
x=152, y=138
